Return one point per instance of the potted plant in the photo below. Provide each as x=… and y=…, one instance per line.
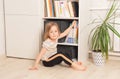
x=99, y=38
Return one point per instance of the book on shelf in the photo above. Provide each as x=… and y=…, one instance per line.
x=49, y=8
x=56, y=7
x=71, y=9
x=75, y=9
x=72, y=37
x=61, y=8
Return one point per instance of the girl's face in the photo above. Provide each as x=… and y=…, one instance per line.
x=53, y=33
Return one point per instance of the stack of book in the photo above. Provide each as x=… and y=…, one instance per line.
x=61, y=8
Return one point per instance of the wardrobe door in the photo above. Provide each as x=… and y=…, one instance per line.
x=22, y=36
x=23, y=28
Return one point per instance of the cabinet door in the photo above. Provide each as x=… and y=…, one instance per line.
x=31, y=7
x=24, y=24
x=1, y=29
x=23, y=36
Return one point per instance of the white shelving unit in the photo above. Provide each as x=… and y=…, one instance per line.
x=84, y=29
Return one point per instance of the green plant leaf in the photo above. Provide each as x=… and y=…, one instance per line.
x=113, y=30
x=111, y=11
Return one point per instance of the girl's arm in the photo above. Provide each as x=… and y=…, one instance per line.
x=66, y=32
x=42, y=52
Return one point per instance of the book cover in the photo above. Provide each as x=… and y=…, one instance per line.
x=56, y=7
x=75, y=8
x=49, y=6
x=71, y=9
x=72, y=37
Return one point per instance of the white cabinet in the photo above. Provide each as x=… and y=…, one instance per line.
x=28, y=7
x=1, y=6
x=23, y=19
x=2, y=42
x=22, y=36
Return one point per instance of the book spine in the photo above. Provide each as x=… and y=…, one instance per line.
x=45, y=9
x=50, y=8
x=66, y=9
x=56, y=8
x=53, y=8
x=71, y=8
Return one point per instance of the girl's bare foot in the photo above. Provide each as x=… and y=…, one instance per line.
x=79, y=63
x=82, y=68
x=78, y=67
x=33, y=68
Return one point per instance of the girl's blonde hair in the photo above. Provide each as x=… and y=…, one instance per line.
x=48, y=27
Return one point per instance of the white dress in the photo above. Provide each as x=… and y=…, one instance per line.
x=51, y=48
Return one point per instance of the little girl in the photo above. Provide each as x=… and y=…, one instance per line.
x=48, y=53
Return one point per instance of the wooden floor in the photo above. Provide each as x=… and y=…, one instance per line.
x=12, y=68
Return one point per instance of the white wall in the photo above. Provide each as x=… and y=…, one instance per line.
x=99, y=8
x=2, y=43
x=100, y=4
x=116, y=42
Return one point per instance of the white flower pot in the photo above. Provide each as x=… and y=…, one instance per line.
x=98, y=58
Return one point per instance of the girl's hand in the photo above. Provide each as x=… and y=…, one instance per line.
x=34, y=68
x=74, y=23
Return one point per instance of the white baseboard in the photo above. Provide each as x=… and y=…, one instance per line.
x=112, y=57
x=114, y=54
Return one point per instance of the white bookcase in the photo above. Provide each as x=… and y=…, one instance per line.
x=83, y=32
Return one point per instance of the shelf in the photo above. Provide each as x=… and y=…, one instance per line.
x=70, y=18
x=70, y=44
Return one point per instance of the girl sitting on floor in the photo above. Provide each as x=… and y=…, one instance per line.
x=48, y=53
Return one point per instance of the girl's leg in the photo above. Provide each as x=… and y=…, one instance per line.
x=67, y=61
x=53, y=62
x=62, y=56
